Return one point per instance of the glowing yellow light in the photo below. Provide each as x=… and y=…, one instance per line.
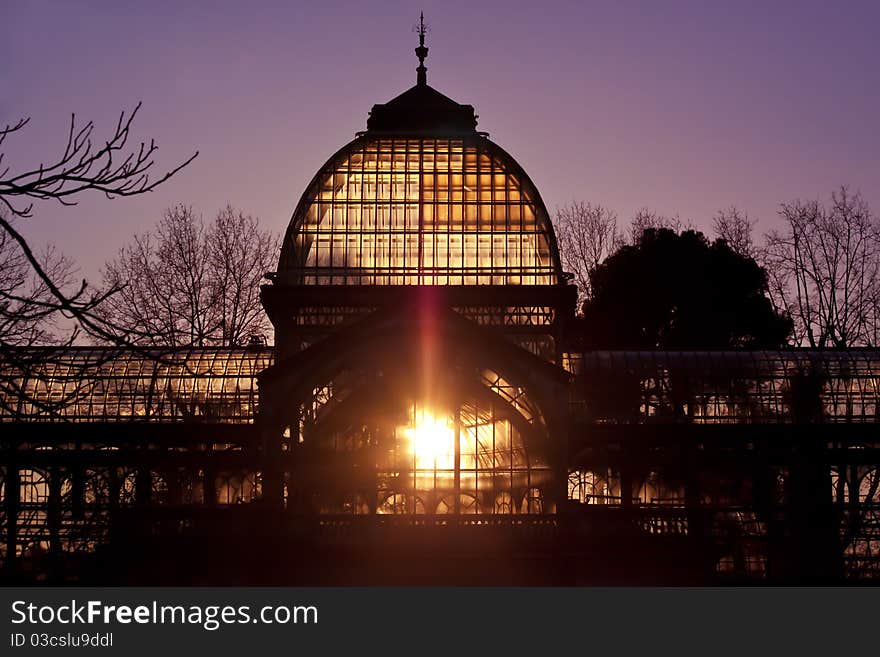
x=432, y=441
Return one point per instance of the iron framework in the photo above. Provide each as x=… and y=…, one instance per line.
x=725, y=447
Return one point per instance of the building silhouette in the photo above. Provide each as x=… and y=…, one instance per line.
x=428, y=415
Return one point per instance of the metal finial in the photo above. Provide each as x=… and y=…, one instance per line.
x=421, y=51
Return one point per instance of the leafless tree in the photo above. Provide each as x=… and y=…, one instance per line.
x=187, y=283
x=29, y=319
x=27, y=311
x=824, y=270
x=587, y=234
x=161, y=281
x=735, y=227
x=106, y=166
x=646, y=218
x=240, y=254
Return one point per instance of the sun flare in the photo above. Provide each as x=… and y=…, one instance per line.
x=431, y=440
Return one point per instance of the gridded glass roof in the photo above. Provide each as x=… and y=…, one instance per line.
x=100, y=384
x=391, y=210
x=220, y=385
x=712, y=387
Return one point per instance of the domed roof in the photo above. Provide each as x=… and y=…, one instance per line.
x=420, y=198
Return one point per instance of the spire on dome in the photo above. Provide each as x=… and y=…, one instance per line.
x=421, y=51
x=422, y=109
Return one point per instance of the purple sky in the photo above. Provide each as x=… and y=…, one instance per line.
x=683, y=107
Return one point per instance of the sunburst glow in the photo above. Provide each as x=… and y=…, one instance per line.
x=431, y=441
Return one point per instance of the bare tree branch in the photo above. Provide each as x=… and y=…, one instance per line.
x=83, y=167
x=824, y=270
x=187, y=283
x=36, y=292
x=587, y=234
x=645, y=219
x=735, y=227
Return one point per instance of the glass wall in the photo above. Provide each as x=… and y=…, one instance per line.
x=469, y=461
x=97, y=384
x=420, y=212
x=728, y=387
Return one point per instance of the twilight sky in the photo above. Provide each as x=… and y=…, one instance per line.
x=683, y=107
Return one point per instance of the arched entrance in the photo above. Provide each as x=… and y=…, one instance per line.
x=417, y=411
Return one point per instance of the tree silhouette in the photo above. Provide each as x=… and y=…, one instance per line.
x=824, y=268
x=673, y=290
x=189, y=282
x=108, y=166
x=587, y=233
x=27, y=310
x=734, y=226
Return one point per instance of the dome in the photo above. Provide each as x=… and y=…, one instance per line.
x=397, y=210
x=420, y=198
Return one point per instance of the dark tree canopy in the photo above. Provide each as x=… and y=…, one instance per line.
x=673, y=290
